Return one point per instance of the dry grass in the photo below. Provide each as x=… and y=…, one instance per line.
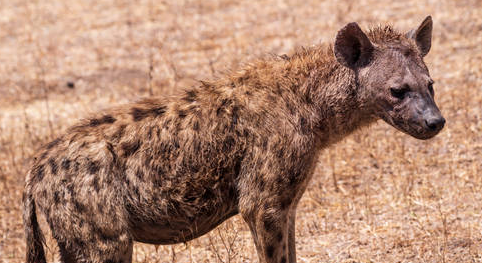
x=396, y=199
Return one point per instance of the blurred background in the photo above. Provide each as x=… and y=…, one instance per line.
x=379, y=196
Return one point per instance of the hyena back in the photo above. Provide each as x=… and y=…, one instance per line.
x=164, y=171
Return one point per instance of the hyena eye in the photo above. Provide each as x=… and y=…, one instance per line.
x=399, y=93
x=430, y=89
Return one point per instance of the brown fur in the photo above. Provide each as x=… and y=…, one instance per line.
x=165, y=171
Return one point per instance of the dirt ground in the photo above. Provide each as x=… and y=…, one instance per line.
x=379, y=196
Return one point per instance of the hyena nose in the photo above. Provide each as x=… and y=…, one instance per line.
x=435, y=123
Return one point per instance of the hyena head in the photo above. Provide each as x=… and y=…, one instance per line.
x=393, y=80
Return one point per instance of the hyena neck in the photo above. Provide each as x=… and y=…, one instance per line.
x=332, y=93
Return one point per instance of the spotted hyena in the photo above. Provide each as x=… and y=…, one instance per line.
x=168, y=170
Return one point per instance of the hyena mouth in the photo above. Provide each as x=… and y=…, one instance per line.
x=420, y=132
x=412, y=128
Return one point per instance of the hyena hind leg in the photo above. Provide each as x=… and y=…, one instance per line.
x=116, y=249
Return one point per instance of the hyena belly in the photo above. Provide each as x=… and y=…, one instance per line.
x=170, y=215
x=181, y=187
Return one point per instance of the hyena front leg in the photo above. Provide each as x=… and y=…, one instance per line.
x=268, y=222
x=291, y=236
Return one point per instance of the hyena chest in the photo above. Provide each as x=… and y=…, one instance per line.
x=177, y=205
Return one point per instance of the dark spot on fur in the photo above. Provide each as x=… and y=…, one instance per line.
x=406, y=51
x=76, y=167
x=234, y=117
x=266, y=206
x=189, y=197
x=181, y=113
x=56, y=197
x=283, y=259
x=65, y=164
x=190, y=96
x=264, y=144
x=279, y=236
x=272, y=98
x=307, y=98
x=290, y=107
x=285, y=203
x=94, y=122
x=294, y=177
x=224, y=104
x=280, y=181
x=269, y=224
x=228, y=144
x=175, y=143
x=284, y=57
x=80, y=207
x=140, y=174
x=261, y=185
x=100, y=207
x=158, y=178
x=131, y=210
x=119, y=133
x=103, y=120
x=270, y=251
x=70, y=84
x=95, y=184
x=93, y=167
x=102, y=234
x=304, y=126
x=79, y=242
x=167, y=122
x=237, y=167
x=278, y=90
x=38, y=173
x=70, y=189
x=195, y=126
x=44, y=155
x=158, y=111
x=52, y=144
x=139, y=114
x=149, y=133
x=136, y=191
x=108, y=119
x=280, y=153
x=208, y=195
x=108, y=180
x=243, y=79
x=130, y=148
x=189, y=167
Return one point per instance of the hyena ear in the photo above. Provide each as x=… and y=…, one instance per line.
x=352, y=47
x=422, y=35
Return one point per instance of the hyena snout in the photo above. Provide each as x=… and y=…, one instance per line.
x=430, y=121
x=419, y=118
x=434, y=121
